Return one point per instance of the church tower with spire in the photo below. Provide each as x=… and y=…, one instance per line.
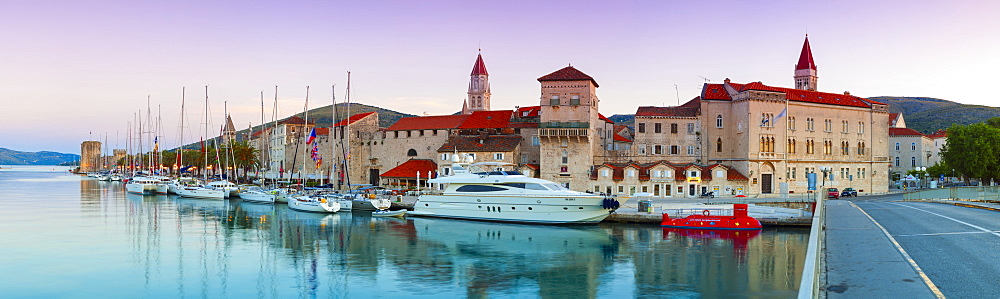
x=805, y=70
x=479, y=88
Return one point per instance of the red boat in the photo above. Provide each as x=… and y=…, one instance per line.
x=738, y=221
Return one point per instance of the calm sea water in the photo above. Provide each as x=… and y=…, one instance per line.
x=63, y=235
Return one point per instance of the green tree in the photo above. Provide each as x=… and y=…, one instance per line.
x=974, y=150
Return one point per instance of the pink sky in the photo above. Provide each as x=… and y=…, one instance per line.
x=75, y=67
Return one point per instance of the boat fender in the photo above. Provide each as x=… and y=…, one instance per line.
x=705, y=212
x=615, y=204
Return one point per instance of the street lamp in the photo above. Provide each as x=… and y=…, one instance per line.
x=826, y=172
x=920, y=175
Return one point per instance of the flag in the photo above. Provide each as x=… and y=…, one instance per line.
x=203, y=144
x=319, y=162
x=312, y=136
x=783, y=113
x=156, y=144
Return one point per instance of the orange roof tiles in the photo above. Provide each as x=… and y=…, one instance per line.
x=526, y=112
x=904, y=132
x=690, y=109
x=487, y=120
x=409, y=169
x=320, y=131
x=568, y=73
x=938, y=134
x=893, y=117
x=714, y=91
x=428, y=122
x=605, y=119
x=353, y=119
x=294, y=120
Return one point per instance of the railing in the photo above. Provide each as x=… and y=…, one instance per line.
x=810, y=286
x=548, y=132
x=991, y=193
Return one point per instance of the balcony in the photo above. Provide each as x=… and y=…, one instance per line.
x=560, y=132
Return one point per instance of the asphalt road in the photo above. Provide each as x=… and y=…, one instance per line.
x=958, y=248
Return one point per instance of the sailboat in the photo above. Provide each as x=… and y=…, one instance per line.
x=310, y=203
x=202, y=191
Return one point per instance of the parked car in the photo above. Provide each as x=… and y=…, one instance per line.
x=832, y=193
x=849, y=192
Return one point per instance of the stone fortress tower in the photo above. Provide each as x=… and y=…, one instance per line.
x=90, y=156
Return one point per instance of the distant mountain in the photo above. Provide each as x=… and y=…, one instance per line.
x=623, y=119
x=929, y=114
x=12, y=157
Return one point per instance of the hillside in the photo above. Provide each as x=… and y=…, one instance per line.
x=323, y=117
x=929, y=114
x=12, y=157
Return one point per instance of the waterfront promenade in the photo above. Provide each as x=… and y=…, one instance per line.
x=882, y=246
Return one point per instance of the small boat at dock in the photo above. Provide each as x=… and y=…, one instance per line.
x=738, y=221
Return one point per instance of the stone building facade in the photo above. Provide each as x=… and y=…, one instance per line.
x=90, y=156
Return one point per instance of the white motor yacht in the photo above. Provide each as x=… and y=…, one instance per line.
x=313, y=204
x=201, y=192
x=142, y=185
x=257, y=194
x=482, y=191
x=232, y=190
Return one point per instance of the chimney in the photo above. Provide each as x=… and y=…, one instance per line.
x=726, y=81
x=847, y=93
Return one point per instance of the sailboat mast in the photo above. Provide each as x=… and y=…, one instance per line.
x=347, y=133
x=302, y=172
x=180, y=151
x=274, y=126
x=333, y=132
x=205, y=161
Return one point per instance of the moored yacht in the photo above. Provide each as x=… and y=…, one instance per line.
x=483, y=191
x=201, y=192
x=231, y=190
x=313, y=204
x=142, y=185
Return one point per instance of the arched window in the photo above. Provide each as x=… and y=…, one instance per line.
x=718, y=121
x=913, y=161
x=718, y=145
x=411, y=153
x=897, y=161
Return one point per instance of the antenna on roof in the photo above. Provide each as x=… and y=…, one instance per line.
x=703, y=78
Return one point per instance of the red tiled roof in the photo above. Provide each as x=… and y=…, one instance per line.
x=479, y=68
x=258, y=133
x=892, y=118
x=409, y=169
x=620, y=138
x=533, y=166
x=568, y=73
x=806, y=57
x=353, y=119
x=428, y=122
x=713, y=91
x=904, y=132
x=487, y=120
x=686, y=110
x=530, y=111
x=938, y=134
x=322, y=131
x=605, y=119
x=294, y=120
x=735, y=175
x=471, y=143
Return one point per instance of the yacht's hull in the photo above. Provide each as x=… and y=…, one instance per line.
x=258, y=196
x=140, y=188
x=522, y=209
x=199, y=192
x=314, y=206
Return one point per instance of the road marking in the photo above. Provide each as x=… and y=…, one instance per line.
x=941, y=234
x=923, y=276
x=952, y=219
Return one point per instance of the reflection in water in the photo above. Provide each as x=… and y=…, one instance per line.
x=179, y=247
